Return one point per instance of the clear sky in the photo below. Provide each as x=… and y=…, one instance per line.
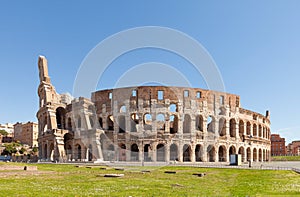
x=256, y=45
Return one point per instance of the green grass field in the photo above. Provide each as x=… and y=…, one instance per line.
x=68, y=180
x=286, y=158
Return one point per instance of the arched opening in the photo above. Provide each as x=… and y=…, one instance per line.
x=249, y=154
x=222, y=127
x=199, y=122
x=110, y=153
x=242, y=153
x=187, y=153
x=232, y=151
x=45, y=151
x=254, y=154
x=160, y=152
x=147, y=122
x=110, y=123
x=264, y=155
x=198, y=153
x=173, y=108
x=92, y=123
x=241, y=128
x=160, y=118
x=123, y=109
x=211, y=153
x=78, y=150
x=187, y=124
x=259, y=131
x=69, y=152
x=90, y=153
x=122, y=152
x=134, y=122
x=60, y=118
x=100, y=123
x=134, y=152
x=222, y=153
x=232, y=128
x=173, y=152
x=122, y=124
x=67, y=145
x=51, y=155
x=254, y=130
x=146, y=152
x=248, y=128
x=69, y=125
x=210, y=124
x=260, y=155
x=173, y=124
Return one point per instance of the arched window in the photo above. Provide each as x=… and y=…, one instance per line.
x=187, y=124
x=232, y=128
x=222, y=126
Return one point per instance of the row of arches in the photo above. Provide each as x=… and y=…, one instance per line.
x=165, y=153
x=232, y=128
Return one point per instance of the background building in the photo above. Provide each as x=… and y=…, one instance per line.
x=293, y=148
x=277, y=145
x=9, y=128
x=26, y=133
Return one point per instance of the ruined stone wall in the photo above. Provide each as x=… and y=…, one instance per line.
x=203, y=125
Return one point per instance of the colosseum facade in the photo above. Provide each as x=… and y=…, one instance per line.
x=148, y=124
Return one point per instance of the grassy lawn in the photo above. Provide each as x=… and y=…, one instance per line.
x=286, y=158
x=68, y=180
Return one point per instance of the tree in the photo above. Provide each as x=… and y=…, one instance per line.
x=3, y=132
x=10, y=148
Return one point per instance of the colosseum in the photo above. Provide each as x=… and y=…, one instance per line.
x=148, y=124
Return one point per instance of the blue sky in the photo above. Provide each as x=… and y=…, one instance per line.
x=256, y=45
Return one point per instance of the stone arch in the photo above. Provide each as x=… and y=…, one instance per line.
x=242, y=153
x=199, y=123
x=260, y=155
x=248, y=132
x=232, y=150
x=122, y=152
x=259, y=131
x=173, y=152
x=69, y=124
x=123, y=109
x=147, y=148
x=211, y=153
x=134, y=150
x=254, y=129
x=90, y=153
x=160, y=119
x=122, y=123
x=68, y=138
x=61, y=117
x=186, y=152
x=248, y=154
x=254, y=154
x=110, y=122
x=100, y=120
x=160, y=152
x=211, y=124
x=198, y=152
x=78, y=152
x=134, y=122
x=147, y=121
x=222, y=126
x=232, y=127
x=241, y=128
x=173, y=108
x=173, y=124
x=45, y=151
x=222, y=153
x=187, y=124
x=79, y=123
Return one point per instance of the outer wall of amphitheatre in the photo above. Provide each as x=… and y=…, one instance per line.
x=149, y=124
